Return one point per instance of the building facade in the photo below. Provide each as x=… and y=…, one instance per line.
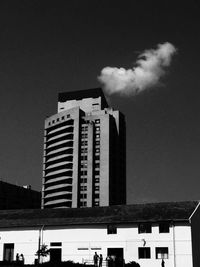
x=18, y=197
x=144, y=233
x=84, y=153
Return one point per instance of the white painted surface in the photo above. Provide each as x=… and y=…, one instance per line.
x=81, y=243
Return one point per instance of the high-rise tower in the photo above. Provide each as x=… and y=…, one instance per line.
x=84, y=153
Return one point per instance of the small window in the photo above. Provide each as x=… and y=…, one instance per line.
x=96, y=172
x=111, y=229
x=96, y=188
x=97, y=150
x=84, y=157
x=83, y=204
x=49, y=123
x=62, y=117
x=84, y=172
x=57, y=119
x=144, y=228
x=68, y=116
x=97, y=135
x=97, y=165
x=162, y=253
x=144, y=253
x=96, y=180
x=83, y=195
x=164, y=227
x=97, y=121
x=83, y=188
x=96, y=203
x=53, y=121
x=56, y=244
x=83, y=180
x=97, y=142
x=96, y=195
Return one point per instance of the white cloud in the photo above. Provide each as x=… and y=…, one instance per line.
x=149, y=68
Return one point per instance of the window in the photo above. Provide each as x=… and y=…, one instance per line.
x=96, y=180
x=164, y=227
x=111, y=229
x=97, y=150
x=96, y=172
x=97, y=121
x=83, y=195
x=57, y=119
x=84, y=172
x=83, y=188
x=144, y=228
x=97, y=165
x=83, y=204
x=96, y=188
x=144, y=253
x=96, y=203
x=56, y=244
x=84, y=157
x=97, y=142
x=97, y=128
x=83, y=180
x=49, y=123
x=96, y=195
x=62, y=117
x=97, y=135
x=162, y=253
x=68, y=115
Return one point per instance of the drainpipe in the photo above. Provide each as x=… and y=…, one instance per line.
x=174, y=245
x=39, y=241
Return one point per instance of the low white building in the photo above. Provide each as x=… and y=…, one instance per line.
x=145, y=233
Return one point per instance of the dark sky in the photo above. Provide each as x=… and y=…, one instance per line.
x=47, y=47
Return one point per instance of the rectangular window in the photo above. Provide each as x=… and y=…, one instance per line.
x=83, y=204
x=96, y=180
x=96, y=172
x=164, y=227
x=83, y=195
x=144, y=253
x=162, y=253
x=62, y=117
x=111, y=229
x=96, y=188
x=144, y=228
x=56, y=244
x=96, y=195
x=83, y=180
x=97, y=142
x=97, y=121
x=84, y=172
x=83, y=188
x=84, y=157
x=97, y=135
x=96, y=203
x=97, y=165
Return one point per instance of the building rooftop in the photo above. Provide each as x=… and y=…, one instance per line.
x=78, y=95
x=152, y=212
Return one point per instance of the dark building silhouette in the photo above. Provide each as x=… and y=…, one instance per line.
x=18, y=197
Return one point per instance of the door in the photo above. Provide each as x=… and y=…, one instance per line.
x=8, y=252
x=115, y=257
x=55, y=254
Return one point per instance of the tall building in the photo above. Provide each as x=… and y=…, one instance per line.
x=84, y=153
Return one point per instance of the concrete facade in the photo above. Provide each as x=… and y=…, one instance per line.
x=84, y=153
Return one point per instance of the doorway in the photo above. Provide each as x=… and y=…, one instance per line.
x=8, y=252
x=55, y=254
x=116, y=256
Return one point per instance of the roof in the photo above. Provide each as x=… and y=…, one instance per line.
x=78, y=95
x=152, y=212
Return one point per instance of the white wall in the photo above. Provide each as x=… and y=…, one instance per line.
x=75, y=241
